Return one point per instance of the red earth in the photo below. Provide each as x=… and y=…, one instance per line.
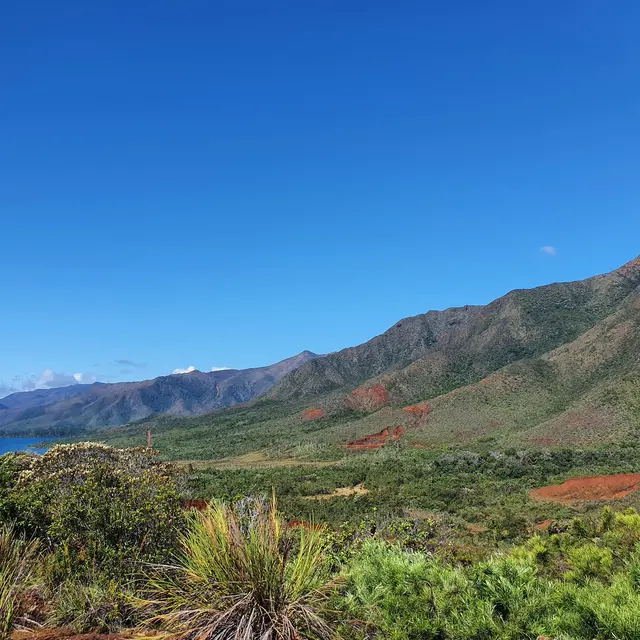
x=376, y=440
x=308, y=415
x=594, y=488
x=418, y=410
x=198, y=505
x=369, y=398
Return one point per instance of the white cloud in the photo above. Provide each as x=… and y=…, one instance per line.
x=47, y=379
x=220, y=368
x=6, y=390
x=190, y=369
x=548, y=250
x=85, y=378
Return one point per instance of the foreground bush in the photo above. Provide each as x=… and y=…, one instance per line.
x=100, y=507
x=243, y=573
x=16, y=568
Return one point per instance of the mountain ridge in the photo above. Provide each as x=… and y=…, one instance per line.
x=108, y=404
x=557, y=364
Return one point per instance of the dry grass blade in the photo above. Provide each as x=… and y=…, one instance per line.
x=16, y=564
x=243, y=575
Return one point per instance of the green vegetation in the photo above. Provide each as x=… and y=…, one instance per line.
x=400, y=563
x=16, y=568
x=241, y=573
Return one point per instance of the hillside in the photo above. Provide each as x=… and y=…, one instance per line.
x=553, y=365
x=69, y=409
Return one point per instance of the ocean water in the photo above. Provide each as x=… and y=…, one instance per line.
x=21, y=444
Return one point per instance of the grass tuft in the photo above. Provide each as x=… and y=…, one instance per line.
x=243, y=573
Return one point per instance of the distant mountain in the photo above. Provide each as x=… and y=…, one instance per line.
x=430, y=354
x=39, y=397
x=554, y=365
x=3, y=406
x=67, y=409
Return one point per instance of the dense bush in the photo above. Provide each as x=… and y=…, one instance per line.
x=101, y=505
x=118, y=551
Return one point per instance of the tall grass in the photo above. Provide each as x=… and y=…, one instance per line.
x=16, y=566
x=243, y=574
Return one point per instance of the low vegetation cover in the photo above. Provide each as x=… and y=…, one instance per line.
x=97, y=539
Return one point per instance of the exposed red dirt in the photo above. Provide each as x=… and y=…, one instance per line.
x=417, y=412
x=542, y=526
x=198, y=505
x=376, y=440
x=369, y=398
x=417, y=445
x=311, y=414
x=594, y=488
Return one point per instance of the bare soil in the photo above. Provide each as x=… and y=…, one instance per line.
x=340, y=492
x=591, y=489
x=376, y=440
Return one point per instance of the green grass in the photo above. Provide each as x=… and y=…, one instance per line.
x=17, y=558
x=242, y=573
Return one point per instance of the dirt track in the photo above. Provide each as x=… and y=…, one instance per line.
x=591, y=489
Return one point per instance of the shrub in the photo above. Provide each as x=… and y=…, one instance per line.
x=106, y=506
x=16, y=564
x=411, y=595
x=589, y=562
x=100, y=605
x=243, y=574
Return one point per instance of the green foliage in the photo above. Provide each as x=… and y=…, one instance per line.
x=589, y=561
x=105, y=507
x=242, y=574
x=101, y=605
x=408, y=596
x=17, y=558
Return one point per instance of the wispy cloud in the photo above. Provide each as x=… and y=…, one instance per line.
x=549, y=250
x=131, y=363
x=46, y=379
x=6, y=389
x=190, y=369
x=220, y=368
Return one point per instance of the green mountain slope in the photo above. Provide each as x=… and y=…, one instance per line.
x=548, y=366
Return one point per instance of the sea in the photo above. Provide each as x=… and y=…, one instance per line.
x=8, y=445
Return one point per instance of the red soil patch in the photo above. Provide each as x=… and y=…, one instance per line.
x=369, y=399
x=376, y=440
x=418, y=411
x=417, y=445
x=542, y=526
x=595, y=488
x=198, y=505
x=311, y=414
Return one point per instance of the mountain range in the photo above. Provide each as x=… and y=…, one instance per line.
x=554, y=365
x=67, y=409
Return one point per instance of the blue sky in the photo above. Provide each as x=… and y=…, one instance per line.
x=229, y=183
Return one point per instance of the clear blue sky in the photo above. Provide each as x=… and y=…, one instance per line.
x=229, y=183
